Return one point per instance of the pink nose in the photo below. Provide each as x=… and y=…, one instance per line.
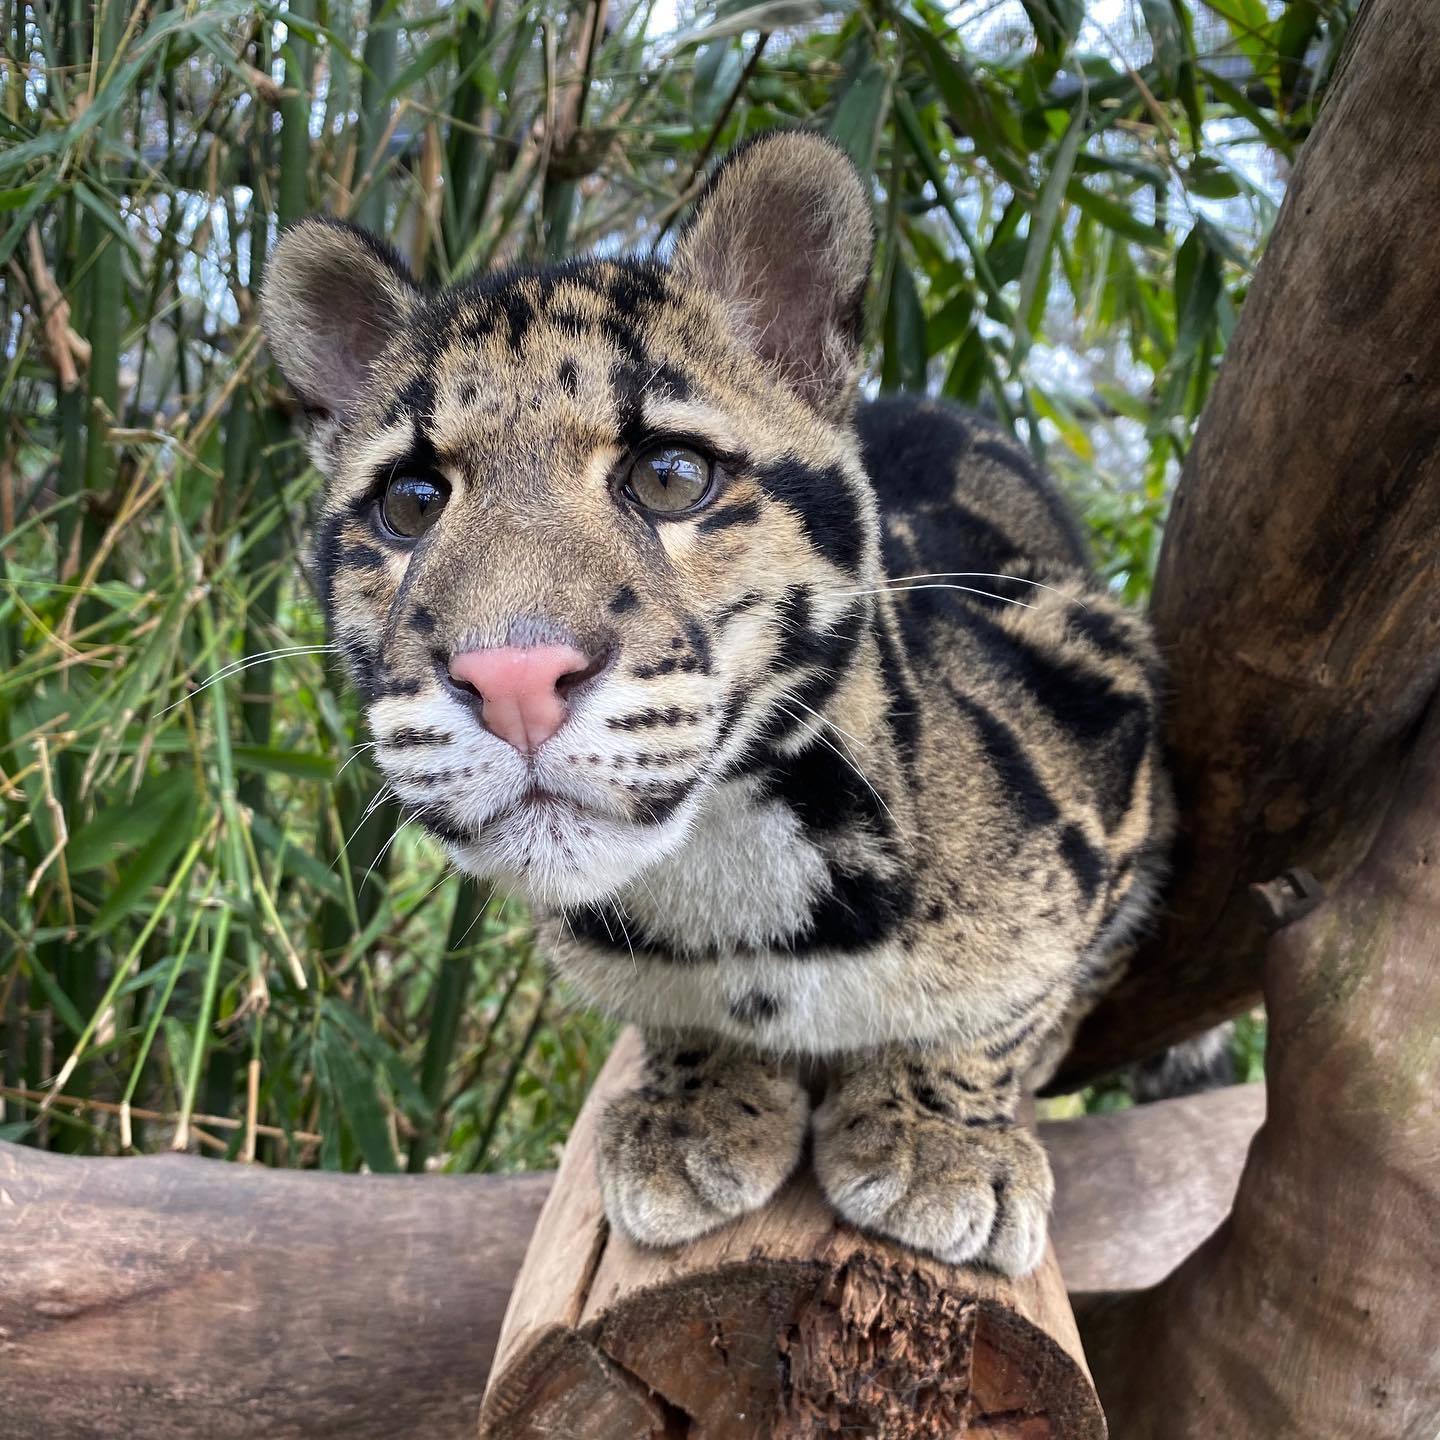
x=520, y=688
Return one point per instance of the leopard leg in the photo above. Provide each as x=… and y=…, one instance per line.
x=712, y=1133
x=921, y=1145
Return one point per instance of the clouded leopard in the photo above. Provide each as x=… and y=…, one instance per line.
x=799, y=720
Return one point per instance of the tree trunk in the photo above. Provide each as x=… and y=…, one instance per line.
x=1298, y=594
x=1314, y=1311
x=786, y=1324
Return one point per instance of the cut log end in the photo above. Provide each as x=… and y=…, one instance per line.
x=787, y=1324
x=869, y=1345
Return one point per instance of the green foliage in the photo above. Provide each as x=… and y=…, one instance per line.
x=207, y=916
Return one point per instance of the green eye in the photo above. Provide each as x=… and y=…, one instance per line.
x=412, y=504
x=669, y=480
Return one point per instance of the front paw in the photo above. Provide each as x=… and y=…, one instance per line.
x=964, y=1194
x=674, y=1166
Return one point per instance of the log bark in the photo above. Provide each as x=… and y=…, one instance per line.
x=786, y=1324
x=1298, y=592
x=1314, y=1311
x=178, y=1297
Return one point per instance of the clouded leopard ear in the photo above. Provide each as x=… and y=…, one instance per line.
x=333, y=296
x=783, y=234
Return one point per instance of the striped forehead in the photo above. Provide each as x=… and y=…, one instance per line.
x=568, y=352
x=594, y=304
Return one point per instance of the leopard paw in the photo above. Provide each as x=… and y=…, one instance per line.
x=967, y=1195
x=674, y=1165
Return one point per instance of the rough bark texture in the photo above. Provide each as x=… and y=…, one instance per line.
x=1314, y=1311
x=176, y=1297
x=1298, y=595
x=787, y=1324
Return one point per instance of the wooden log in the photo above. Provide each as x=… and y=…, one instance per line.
x=1314, y=1311
x=178, y=1297
x=123, y=1281
x=786, y=1324
x=1137, y=1190
x=1298, y=593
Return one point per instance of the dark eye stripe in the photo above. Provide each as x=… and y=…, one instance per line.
x=826, y=505
x=359, y=557
x=747, y=512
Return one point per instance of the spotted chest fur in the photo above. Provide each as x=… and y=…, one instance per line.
x=857, y=762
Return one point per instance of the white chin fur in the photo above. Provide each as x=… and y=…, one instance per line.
x=552, y=853
x=585, y=862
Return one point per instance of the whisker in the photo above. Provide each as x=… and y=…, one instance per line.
x=565, y=921
x=826, y=720
x=383, y=852
x=448, y=872
x=356, y=752
x=620, y=921
x=610, y=934
x=896, y=589
x=384, y=793
x=847, y=758
x=899, y=583
x=284, y=652
x=654, y=899
x=479, y=916
x=978, y=575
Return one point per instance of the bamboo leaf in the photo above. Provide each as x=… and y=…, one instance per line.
x=772, y=15
x=295, y=859
x=1241, y=104
x=1166, y=38
x=14, y=199
x=381, y=1055
x=337, y=1056
x=149, y=867
x=718, y=67
x=120, y=828
x=1298, y=29
x=856, y=122
x=1111, y=214
x=1056, y=22
x=1197, y=291
x=906, y=348
x=990, y=125
x=1042, y=232
x=951, y=321
x=274, y=761
x=62, y=1004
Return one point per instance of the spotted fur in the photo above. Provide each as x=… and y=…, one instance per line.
x=797, y=817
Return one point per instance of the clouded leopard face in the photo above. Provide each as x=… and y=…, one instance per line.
x=589, y=533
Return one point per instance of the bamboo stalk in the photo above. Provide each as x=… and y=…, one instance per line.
x=375, y=112
x=106, y=297
x=36, y=1098
x=452, y=985
x=293, y=191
